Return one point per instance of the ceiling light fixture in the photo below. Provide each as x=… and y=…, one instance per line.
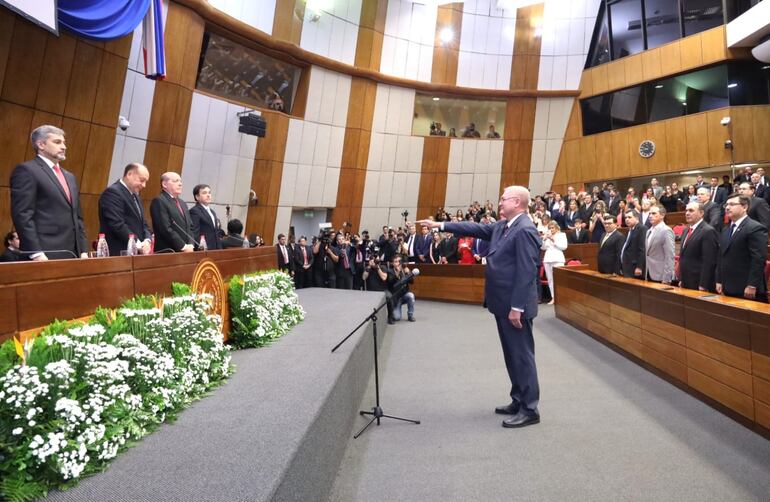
x=446, y=35
x=436, y=98
x=732, y=85
x=659, y=86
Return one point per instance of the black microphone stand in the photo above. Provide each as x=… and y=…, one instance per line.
x=376, y=412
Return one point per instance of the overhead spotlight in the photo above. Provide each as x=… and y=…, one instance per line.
x=659, y=86
x=446, y=35
x=436, y=98
x=732, y=85
x=684, y=103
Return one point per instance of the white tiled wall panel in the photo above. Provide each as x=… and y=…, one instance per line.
x=566, y=35
x=256, y=13
x=407, y=47
x=551, y=117
x=218, y=155
x=331, y=29
x=395, y=160
x=473, y=172
x=486, y=45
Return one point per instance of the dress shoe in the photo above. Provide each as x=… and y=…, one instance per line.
x=412, y=319
x=508, y=409
x=391, y=320
x=521, y=419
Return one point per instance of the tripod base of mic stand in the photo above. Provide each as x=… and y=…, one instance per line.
x=377, y=414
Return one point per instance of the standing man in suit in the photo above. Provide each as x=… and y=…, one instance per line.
x=303, y=261
x=412, y=244
x=170, y=217
x=580, y=235
x=759, y=210
x=121, y=212
x=610, y=247
x=712, y=212
x=759, y=188
x=660, y=247
x=45, y=202
x=657, y=190
x=632, y=253
x=423, y=245
x=284, y=255
x=511, y=296
x=717, y=194
x=742, y=254
x=644, y=217
x=698, y=253
x=448, y=248
x=613, y=203
x=204, y=220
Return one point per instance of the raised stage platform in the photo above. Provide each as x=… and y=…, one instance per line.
x=276, y=430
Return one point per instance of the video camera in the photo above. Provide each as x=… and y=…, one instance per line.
x=372, y=252
x=326, y=234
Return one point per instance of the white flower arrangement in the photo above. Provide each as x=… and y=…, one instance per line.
x=84, y=392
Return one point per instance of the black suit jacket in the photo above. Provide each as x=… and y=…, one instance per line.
x=448, y=249
x=712, y=214
x=759, y=211
x=698, y=258
x=201, y=225
x=119, y=215
x=288, y=263
x=573, y=238
x=42, y=215
x=10, y=255
x=232, y=241
x=299, y=260
x=634, y=252
x=614, y=207
x=609, y=253
x=741, y=258
x=166, y=223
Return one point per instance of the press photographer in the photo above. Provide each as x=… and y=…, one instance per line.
x=375, y=277
x=324, y=260
x=398, y=283
x=344, y=268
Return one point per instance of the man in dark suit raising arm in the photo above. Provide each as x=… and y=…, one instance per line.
x=742, y=254
x=45, y=202
x=121, y=212
x=511, y=296
x=170, y=217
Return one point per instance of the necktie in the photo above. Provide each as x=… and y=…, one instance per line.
x=732, y=230
x=62, y=182
x=304, y=255
x=211, y=215
x=713, y=194
x=136, y=203
x=179, y=206
x=604, y=239
x=411, y=245
x=628, y=238
x=285, y=255
x=345, y=261
x=687, y=237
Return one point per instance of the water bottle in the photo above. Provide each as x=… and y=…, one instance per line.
x=102, y=249
x=202, y=243
x=245, y=243
x=131, y=248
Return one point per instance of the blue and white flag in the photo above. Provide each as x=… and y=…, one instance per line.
x=152, y=42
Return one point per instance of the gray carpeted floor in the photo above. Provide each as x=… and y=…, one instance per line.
x=610, y=430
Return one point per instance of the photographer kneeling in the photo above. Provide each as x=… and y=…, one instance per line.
x=375, y=278
x=399, y=290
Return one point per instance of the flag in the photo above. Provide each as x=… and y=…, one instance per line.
x=152, y=42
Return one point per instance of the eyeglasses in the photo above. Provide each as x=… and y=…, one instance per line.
x=502, y=199
x=732, y=203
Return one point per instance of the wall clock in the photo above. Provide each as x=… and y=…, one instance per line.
x=647, y=149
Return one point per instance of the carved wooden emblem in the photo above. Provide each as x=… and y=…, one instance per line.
x=208, y=280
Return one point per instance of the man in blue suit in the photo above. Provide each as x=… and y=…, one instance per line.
x=511, y=296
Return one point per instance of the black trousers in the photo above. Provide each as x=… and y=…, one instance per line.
x=344, y=279
x=519, y=353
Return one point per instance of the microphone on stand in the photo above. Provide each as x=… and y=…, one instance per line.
x=197, y=244
x=407, y=278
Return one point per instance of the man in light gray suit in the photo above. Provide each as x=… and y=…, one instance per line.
x=660, y=248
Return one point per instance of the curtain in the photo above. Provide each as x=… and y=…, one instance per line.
x=102, y=19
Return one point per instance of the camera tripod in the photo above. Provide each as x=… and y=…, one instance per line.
x=376, y=412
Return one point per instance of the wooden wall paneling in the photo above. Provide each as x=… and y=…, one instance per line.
x=77, y=134
x=586, y=83
x=724, y=352
x=433, y=177
x=743, y=133
x=101, y=141
x=575, y=123
x=110, y=90
x=120, y=47
x=721, y=393
x=89, y=206
x=599, y=78
x=162, y=117
x=81, y=94
x=25, y=63
x=620, y=153
x=691, y=51
x=760, y=119
x=175, y=39
x=192, y=50
x=633, y=69
x=651, y=66
x=52, y=91
x=603, y=155
x=718, y=155
x=713, y=45
x=446, y=55
x=636, y=163
x=732, y=377
x=616, y=74
x=670, y=58
x=571, y=156
x=15, y=124
x=676, y=140
x=588, y=167
x=7, y=20
x=287, y=21
x=266, y=176
x=696, y=132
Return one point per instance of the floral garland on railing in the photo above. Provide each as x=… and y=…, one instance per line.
x=77, y=394
x=263, y=307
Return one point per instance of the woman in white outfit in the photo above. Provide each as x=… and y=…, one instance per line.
x=554, y=244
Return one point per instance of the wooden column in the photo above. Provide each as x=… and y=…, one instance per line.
x=446, y=55
x=287, y=21
x=371, y=32
x=433, y=177
x=526, y=48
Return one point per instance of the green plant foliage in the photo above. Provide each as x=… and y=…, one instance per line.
x=180, y=289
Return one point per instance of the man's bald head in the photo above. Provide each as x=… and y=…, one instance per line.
x=135, y=177
x=515, y=200
x=171, y=183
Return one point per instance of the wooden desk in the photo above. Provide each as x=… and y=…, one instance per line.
x=715, y=347
x=452, y=283
x=32, y=294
